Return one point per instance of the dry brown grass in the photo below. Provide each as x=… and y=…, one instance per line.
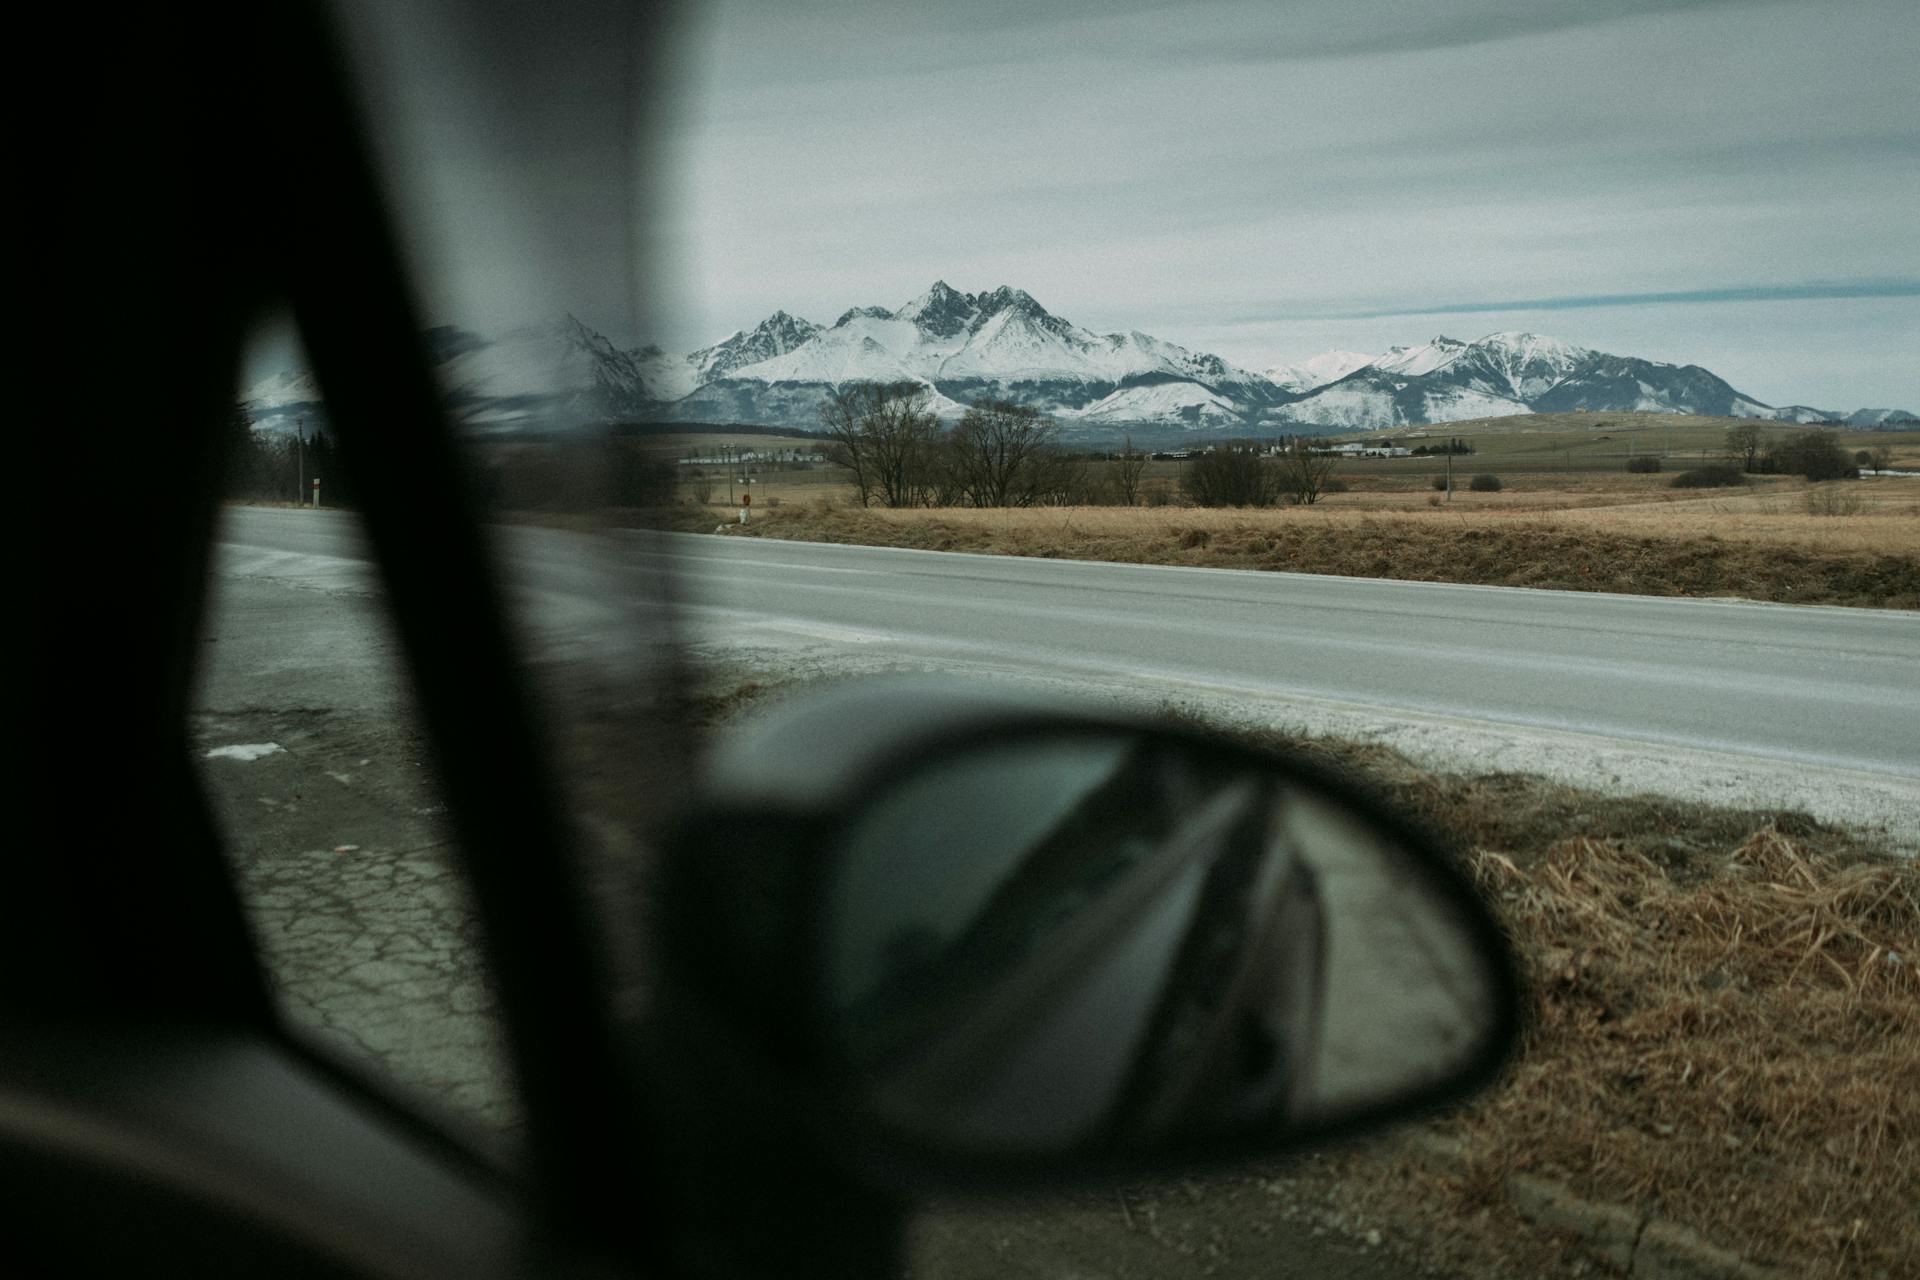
x=1755, y=546
x=1739, y=1049
x=1724, y=1021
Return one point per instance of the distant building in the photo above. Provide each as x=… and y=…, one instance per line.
x=1357, y=450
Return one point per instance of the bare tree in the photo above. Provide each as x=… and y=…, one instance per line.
x=1304, y=471
x=1233, y=476
x=883, y=433
x=1126, y=470
x=1061, y=480
x=1745, y=442
x=999, y=451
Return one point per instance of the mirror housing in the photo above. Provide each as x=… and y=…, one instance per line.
x=983, y=942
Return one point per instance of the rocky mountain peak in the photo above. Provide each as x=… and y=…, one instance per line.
x=942, y=310
x=784, y=332
x=1006, y=296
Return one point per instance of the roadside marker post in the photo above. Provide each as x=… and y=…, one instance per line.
x=746, y=505
x=316, y=493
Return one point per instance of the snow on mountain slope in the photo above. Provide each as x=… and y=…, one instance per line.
x=1803, y=414
x=1522, y=366
x=778, y=334
x=1360, y=403
x=1507, y=373
x=1415, y=362
x=1160, y=402
x=1878, y=417
x=666, y=376
x=997, y=343
x=1861, y=418
x=1002, y=344
x=866, y=350
x=1019, y=340
x=860, y=345
x=1316, y=371
x=1451, y=404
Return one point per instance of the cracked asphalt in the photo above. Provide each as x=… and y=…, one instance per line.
x=338, y=842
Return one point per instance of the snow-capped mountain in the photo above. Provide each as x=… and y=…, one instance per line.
x=1512, y=373
x=1870, y=418
x=1859, y=419
x=778, y=334
x=1002, y=344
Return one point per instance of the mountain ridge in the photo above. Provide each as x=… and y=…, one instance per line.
x=1003, y=344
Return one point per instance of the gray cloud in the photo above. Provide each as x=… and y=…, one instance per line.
x=1260, y=179
x=1585, y=302
x=1334, y=29
x=1164, y=168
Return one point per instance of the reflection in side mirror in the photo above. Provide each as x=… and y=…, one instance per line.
x=1106, y=941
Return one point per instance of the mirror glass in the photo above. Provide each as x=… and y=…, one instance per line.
x=1118, y=941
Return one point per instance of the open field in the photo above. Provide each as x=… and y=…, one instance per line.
x=1552, y=458
x=1759, y=543
x=1568, y=514
x=1617, y=435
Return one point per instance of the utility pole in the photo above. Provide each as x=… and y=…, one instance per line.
x=727, y=453
x=300, y=484
x=1450, y=470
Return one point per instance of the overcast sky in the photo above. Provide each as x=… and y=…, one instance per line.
x=1731, y=183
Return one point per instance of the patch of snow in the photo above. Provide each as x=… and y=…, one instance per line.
x=1348, y=404
x=245, y=751
x=1317, y=371
x=1414, y=362
x=1454, y=404
x=1160, y=402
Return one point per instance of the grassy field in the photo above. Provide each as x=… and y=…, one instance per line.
x=1760, y=543
x=1568, y=514
x=1725, y=1014
x=1550, y=455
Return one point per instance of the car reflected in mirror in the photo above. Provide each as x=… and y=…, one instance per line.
x=1089, y=941
x=1000, y=943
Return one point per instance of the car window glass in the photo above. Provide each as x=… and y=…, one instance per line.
x=305, y=736
x=510, y=147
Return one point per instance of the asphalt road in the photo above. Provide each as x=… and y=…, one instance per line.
x=1815, y=686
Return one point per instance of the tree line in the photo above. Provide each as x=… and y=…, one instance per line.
x=1813, y=453
x=264, y=467
x=1000, y=454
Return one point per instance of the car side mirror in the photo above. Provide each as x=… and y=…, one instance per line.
x=1029, y=943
